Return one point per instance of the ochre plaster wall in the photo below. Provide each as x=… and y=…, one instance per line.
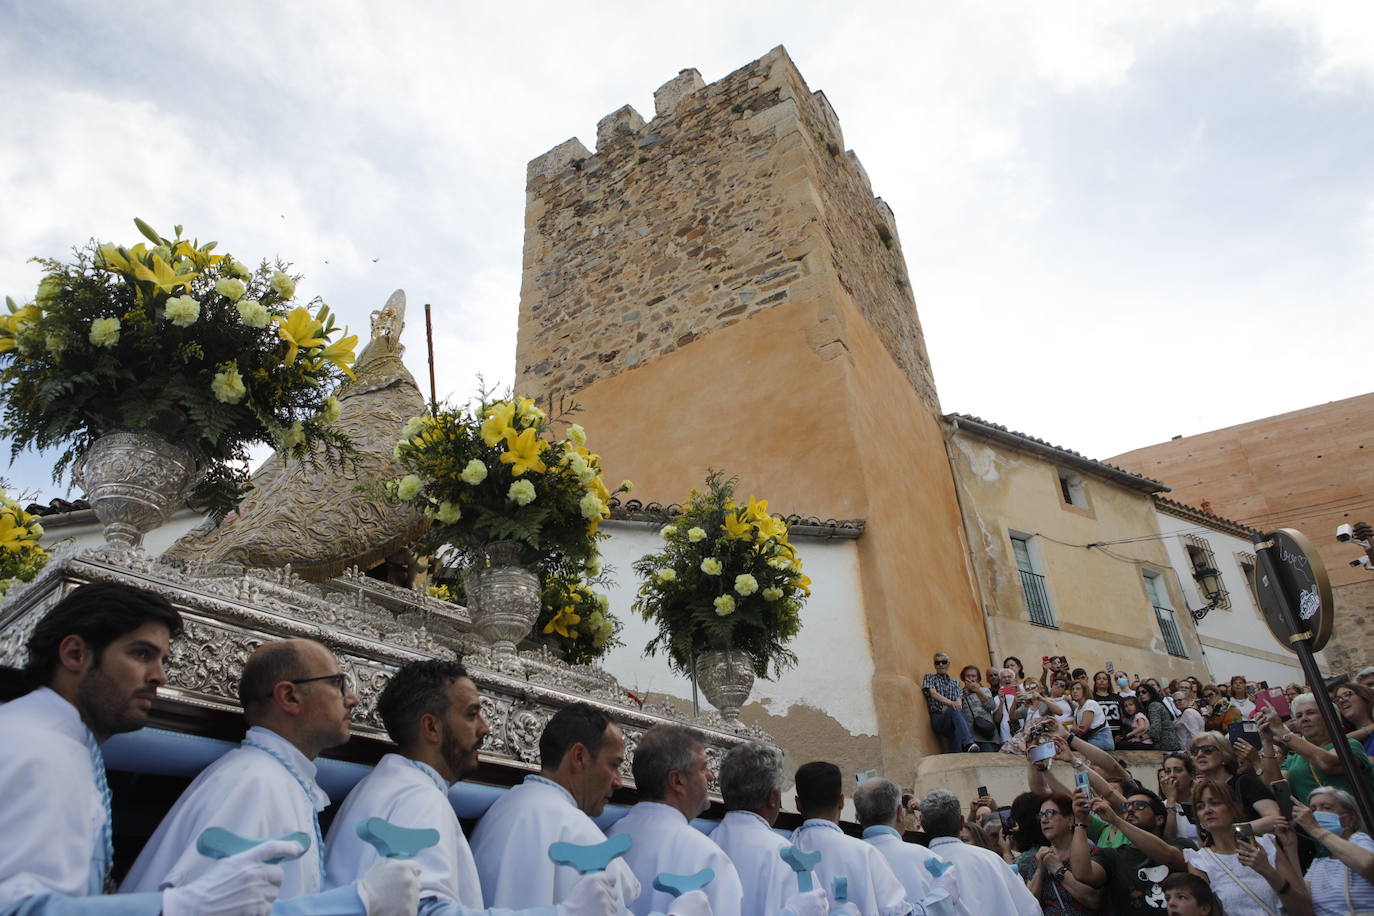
x=1101, y=607
x=719, y=288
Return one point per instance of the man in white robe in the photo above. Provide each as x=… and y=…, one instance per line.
x=96, y=659
x=878, y=809
x=580, y=754
x=297, y=702
x=873, y=889
x=986, y=883
x=672, y=779
x=751, y=786
x=433, y=712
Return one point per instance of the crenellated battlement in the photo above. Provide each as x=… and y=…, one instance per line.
x=736, y=197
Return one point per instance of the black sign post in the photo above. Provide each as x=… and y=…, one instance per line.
x=1295, y=596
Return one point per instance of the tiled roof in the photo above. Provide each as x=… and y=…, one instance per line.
x=801, y=525
x=1203, y=517
x=980, y=427
x=57, y=507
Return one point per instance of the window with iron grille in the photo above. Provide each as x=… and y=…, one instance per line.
x=1164, y=614
x=1032, y=581
x=1199, y=556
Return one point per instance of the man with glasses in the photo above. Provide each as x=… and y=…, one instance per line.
x=944, y=701
x=297, y=702
x=1130, y=875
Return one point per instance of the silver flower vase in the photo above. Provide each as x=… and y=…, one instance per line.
x=503, y=599
x=133, y=481
x=726, y=677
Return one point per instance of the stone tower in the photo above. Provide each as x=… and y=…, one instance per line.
x=719, y=287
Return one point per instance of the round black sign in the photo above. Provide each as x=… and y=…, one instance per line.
x=1302, y=582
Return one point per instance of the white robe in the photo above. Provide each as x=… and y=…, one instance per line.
x=986, y=883
x=872, y=886
x=908, y=863
x=664, y=842
x=251, y=793
x=52, y=812
x=754, y=848
x=511, y=847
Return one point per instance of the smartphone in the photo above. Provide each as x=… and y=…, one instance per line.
x=865, y=776
x=1081, y=781
x=982, y=792
x=1041, y=752
x=1244, y=833
x=1045, y=661
x=1008, y=691
x=1264, y=685
x=1004, y=813
x=1273, y=698
x=1111, y=668
x=1283, y=794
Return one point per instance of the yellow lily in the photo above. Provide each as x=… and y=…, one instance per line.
x=162, y=275
x=300, y=331
x=758, y=509
x=735, y=527
x=499, y=418
x=340, y=353
x=13, y=536
x=803, y=583
x=563, y=622
x=523, y=450
x=770, y=527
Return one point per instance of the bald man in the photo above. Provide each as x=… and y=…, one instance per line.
x=297, y=702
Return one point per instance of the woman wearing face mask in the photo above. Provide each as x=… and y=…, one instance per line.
x=1176, y=788
x=1250, y=877
x=1215, y=757
x=1310, y=762
x=1189, y=895
x=1161, y=722
x=1344, y=881
x=1354, y=703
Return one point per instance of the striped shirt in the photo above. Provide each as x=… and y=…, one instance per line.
x=1327, y=880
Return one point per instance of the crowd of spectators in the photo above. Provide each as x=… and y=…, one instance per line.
x=1251, y=810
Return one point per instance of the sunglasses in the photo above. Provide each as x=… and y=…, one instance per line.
x=1136, y=806
x=1202, y=749
x=942, y=661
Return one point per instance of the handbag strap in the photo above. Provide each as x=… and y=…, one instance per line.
x=1243, y=886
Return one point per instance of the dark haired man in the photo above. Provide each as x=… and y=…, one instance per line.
x=873, y=889
x=95, y=663
x=1132, y=874
x=297, y=702
x=580, y=754
x=432, y=710
x=671, y=776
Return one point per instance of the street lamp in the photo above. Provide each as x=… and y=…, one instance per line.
x=1209, y=581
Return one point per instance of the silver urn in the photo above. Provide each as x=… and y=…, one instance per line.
x=503, y=599
x=134, y=480
x=726, y=677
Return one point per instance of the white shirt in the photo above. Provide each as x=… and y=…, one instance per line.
x=1188, y=724
x=250, y=792
x=908, y=863
x=987, y=885
x=1246, y=706
x=872, y=886
x=406, y=793
x=512, y=840
x=755, y=848
x=53, y=813
x=1090, y=715
x=1329, y=879
x=664, y=842
x=1005, y=701
x=1226, y=875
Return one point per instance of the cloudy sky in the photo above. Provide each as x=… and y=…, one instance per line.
x=1124, y=221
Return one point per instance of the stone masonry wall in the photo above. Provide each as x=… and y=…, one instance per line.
x=704, y=216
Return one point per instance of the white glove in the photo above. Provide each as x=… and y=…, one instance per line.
x=692, y=903
x=391, y=888
x=812, y=903
x=593, y=895
x=242, y=883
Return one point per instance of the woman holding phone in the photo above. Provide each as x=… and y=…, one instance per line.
x=1215, y=757
x=1355, y=702
x=1046, y=872
x=1311, y=761
x=1250, y=875
x=1344, y=881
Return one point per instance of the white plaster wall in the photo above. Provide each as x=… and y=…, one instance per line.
x=1243, y=624
x=81, y=530
x=835, y=669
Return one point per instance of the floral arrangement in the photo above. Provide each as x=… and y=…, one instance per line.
x=20, y=556
x=172, y=338
x=495, y=472
x=726, y=578
x=575, y=619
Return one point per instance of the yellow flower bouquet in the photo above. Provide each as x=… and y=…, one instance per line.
x=169, y=337
x=20, y=556
x=726, y=578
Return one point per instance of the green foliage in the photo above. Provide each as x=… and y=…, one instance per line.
x=108, y=344
x=726, y=578
x=20, y=556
